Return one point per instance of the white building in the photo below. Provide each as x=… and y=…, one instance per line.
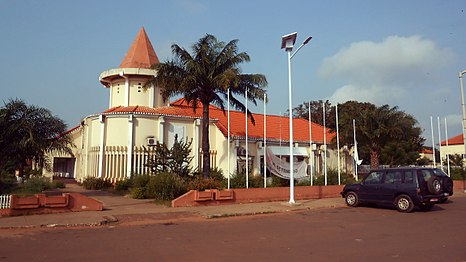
x=111, y=144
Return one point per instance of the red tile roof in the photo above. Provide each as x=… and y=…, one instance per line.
x=277, y=126
x=141, y=54
x=426, y=151
x=457, y=140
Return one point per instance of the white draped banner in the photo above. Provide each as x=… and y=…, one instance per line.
x=281, y=168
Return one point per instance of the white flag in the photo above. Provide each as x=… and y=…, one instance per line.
x=356, y=155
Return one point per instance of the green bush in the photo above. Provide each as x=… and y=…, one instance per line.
x=165, y=186
x=138, y=193
x=7, y=182
x=332, y=178
x=140, y=180
x=123, y=185
x=95, y=183
x=36, y=184
x=200, y=183
x=279, y=182
x=58, y=184
x=457, y=173
x=238, y=180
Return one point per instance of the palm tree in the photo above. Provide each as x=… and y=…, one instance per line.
x=28, y=134
x=205, y=76
x=381, y=131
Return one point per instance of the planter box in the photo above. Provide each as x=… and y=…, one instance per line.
x=203, y=195
x=224, y=195
x=57, y=201
x=24, y=202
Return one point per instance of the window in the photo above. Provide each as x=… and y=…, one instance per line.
x=374, y=178
x=409, y=177
x=393, y=177
x=427, y=174
x=178, y=130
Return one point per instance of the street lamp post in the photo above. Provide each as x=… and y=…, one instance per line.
x=464, y=109
x=288, y=42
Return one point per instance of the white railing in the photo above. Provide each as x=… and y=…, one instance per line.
x=5, y=201
x=115, y=161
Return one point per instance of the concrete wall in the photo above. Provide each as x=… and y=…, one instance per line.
x=254, y=195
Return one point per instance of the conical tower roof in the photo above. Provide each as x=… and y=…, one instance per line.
x=141, y=54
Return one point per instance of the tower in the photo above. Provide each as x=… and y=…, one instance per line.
x=130, y=84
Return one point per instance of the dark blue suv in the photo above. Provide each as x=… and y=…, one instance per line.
x=404, y=188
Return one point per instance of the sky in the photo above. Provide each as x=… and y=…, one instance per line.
x=401, y=53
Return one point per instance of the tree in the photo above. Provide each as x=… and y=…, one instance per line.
x=456, y=160
x=383, y=133
x=302, y=111
x=205, y=76
x=28, y=134
x=175, y=160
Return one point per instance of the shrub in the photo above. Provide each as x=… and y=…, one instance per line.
x=140, y=180
x=279, y=182
x=165, y=186
x=7, y=182
x=36, y=184
x=58, y=184
x=137, y=193
x=238, y=180
x=123, y=185
x=200, y=183
x=457, y=173
x=332, y=178
x=95, y=183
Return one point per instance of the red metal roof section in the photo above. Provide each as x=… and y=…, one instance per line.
x=457, y=140
x=277, y=126
x=141, y=54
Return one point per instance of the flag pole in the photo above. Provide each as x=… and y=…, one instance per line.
x=228, y=138
x=446, y=143
x=247, y=153
x=439, y=141
x=265, y=140
x=355, y=151
x=325, y=145
x=338, y=145
x=311, y=152
x=433, y=141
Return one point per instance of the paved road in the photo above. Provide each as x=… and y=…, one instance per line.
x=338, y=234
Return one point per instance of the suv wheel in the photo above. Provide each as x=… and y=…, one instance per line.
x=352, y=199
x=434, y=185
x=404, y=203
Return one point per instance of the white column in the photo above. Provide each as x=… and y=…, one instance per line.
x=197, y=126
x=161, y=129
x=102, y=145
x=87, y=145
x=122, y=74
x=129, y=160
x=152, y=95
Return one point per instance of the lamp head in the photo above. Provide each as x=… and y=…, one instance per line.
x=307, y=40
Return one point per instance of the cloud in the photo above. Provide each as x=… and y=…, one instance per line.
x=384, y=72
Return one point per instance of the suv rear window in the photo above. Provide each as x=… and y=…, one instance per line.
x=393, y=177
x=427, y=174
x=409, y=177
